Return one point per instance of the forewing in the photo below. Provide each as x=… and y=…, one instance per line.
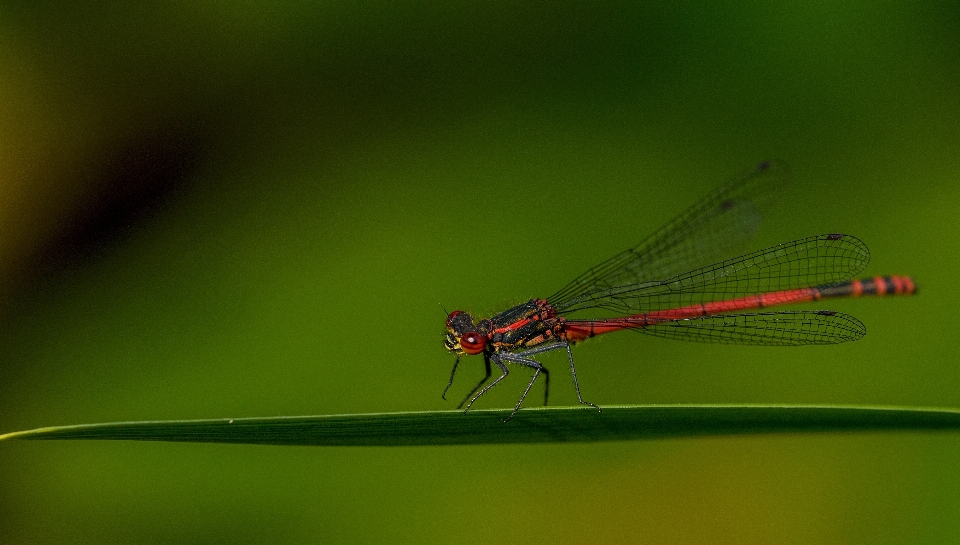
x=710, y=230
x=808, y=262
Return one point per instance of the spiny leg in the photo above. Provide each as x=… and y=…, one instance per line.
x=546, y=385
x=540, y=349
x=486, y=377
x=576, y=386
x=546, y=373
x=492, y=384
x=452, y=372
x=514, y=358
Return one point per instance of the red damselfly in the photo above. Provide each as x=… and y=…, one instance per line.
x=665, y=286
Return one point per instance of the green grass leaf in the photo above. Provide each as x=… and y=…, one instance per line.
x=528, y=426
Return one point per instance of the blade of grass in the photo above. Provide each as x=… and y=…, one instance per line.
x=529, y=426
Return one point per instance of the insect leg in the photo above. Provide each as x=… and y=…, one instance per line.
x=576, y=386
x=452, y=372
x=486, y=377
x=492, y=384
x=546, y=374
x=541, y=349
x=546, y=385
x=517, y=358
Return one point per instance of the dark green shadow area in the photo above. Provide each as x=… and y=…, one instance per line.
x=549, y=425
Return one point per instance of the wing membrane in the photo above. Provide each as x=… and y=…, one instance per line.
x=710, y=230
x=808, y=262
x=766, y=329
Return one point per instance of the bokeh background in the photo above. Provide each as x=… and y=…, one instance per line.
x=226, y=209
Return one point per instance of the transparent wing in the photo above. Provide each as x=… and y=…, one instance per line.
x=767, y=329
x=809, y=262
x=710, y=230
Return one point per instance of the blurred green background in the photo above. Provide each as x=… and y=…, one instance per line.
x=230, y=209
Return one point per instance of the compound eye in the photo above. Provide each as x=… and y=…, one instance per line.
x=452, y=315
x=472, y=342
